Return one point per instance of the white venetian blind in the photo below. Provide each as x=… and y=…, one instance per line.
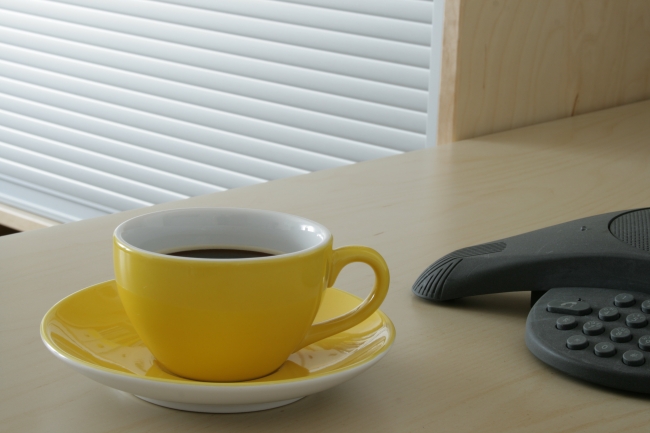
x=109, y=105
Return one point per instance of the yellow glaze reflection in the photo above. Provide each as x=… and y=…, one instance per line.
x=90, y=326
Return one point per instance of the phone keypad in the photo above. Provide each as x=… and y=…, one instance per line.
x=600, y=335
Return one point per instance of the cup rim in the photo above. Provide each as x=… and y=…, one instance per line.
x=117, y=236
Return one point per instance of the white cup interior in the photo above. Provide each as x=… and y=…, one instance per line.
x=176, y=230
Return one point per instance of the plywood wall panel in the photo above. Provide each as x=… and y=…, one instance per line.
x=521, y=62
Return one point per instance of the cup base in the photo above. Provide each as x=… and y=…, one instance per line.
x=219, y=408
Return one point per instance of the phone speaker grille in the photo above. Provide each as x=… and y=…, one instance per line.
x=429, y=285
x=633, y=228
x=479, y=250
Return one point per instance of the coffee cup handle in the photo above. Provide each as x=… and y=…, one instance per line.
x=342, y=257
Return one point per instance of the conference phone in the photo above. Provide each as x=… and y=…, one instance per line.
x=590, y=289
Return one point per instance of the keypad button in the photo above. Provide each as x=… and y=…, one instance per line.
x=593, y=327
x=633, y=358
x=566, y=322
x=620, y=335
x=604, y=349
x=624, y=300
x=577, y=342
x=636, y=320
x=645, y=306
x=644, y=343
x=575, y=308
x=608, y=314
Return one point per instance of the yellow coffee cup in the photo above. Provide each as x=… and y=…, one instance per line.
x=232, y=319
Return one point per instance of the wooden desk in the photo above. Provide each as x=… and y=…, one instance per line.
x=457, y=367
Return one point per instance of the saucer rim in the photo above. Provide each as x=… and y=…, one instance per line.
x=56, y=350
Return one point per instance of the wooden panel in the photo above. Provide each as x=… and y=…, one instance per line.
x=448, y=72
x=521, y=62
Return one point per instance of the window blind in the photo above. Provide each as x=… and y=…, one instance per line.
x=109, y=105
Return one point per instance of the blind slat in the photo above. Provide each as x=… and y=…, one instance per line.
x=231, y=74
x=223, y=25
x=259, y=146
x=147, y=139
x=107, y=199
x=130, y=71
x=237, y=115
x=86, y=175
x=171, y=186
x=187, y=176
x=134, y=34
x=40, y=201
x=340, y=21
x=410, y=10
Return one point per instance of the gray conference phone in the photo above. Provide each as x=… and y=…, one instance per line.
x=590, y=286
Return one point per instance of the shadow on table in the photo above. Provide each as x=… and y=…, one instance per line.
x=7, y=231
x=514, y=304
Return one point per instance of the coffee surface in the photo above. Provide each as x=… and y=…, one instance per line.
x=220, y=253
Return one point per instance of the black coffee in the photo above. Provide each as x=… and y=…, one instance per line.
x=220, y=253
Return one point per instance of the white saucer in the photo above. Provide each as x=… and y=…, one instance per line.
x=90, y=331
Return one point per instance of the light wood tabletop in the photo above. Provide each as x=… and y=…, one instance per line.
x=457, y=367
